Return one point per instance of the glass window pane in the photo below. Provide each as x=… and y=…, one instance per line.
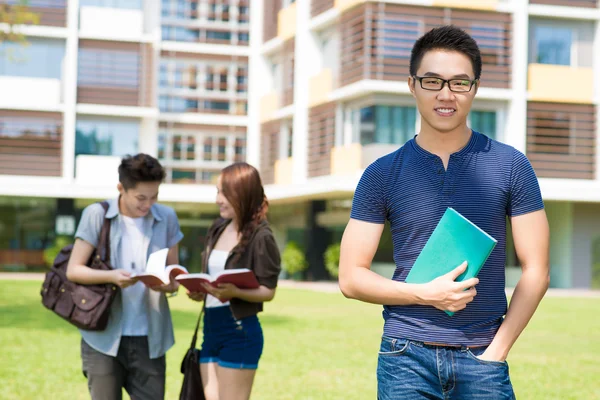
x=553, y=45
x=106, y=137
x=41, y=58
x=484, y=122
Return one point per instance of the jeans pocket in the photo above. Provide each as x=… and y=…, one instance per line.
x=393, y=347
x=485, y=362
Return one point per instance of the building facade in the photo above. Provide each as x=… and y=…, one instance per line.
x=309, y=91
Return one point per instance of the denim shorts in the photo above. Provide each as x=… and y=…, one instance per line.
x=229, y=342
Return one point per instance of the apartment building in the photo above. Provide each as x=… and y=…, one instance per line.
x=539, y=93
x=99, y=79
x=311, y=92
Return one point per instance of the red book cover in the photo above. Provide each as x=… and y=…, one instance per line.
x=243, y=278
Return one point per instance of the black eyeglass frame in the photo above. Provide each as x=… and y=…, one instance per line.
x=444, y=82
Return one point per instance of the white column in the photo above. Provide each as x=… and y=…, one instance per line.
x=596, y=68
x=306, y=51
x=69, y=89
x=515, y=132
x=148, y=137
x=256, y=74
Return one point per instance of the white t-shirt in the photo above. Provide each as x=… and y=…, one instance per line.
x=133, y=259
x=216, y=264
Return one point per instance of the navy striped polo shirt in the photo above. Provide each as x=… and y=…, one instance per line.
x=486, y=181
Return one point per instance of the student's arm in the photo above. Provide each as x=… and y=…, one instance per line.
x=78, y=272
x=532, y=241
x=357, y=281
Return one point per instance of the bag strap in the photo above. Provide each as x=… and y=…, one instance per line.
x=195, y=337
x=104, y=241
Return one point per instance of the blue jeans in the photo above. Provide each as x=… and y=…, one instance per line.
x=410, y=370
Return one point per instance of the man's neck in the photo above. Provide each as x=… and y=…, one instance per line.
x=123, y=209
x=443, y=144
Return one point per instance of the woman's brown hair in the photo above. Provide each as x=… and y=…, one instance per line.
x=242, y=186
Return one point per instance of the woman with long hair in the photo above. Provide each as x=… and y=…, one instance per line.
x=240, y=238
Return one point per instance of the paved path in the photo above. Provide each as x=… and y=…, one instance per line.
x=326, y=287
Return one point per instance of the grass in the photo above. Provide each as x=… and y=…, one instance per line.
x=317, y=346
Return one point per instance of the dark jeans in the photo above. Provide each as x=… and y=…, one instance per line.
x=132, y=369
x=411, y=370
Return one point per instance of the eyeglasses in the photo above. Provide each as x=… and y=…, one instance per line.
x=455, y=85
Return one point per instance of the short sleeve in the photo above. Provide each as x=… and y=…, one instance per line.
x=266, y=260
x=525, y=195
x=90, y=224
x=174, y=234
x=369, y=202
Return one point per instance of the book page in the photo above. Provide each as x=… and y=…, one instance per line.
x=157, y=262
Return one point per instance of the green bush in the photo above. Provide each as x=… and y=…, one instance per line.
x=292, y=259
x=51, y=252
x=332, y=259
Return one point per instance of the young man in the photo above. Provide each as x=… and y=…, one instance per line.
x=426, y=354
x=130, y=352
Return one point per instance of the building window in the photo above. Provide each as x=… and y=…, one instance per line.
x=484, y=122
x=553, y=45
x=106, y=137
x=383, y=124
x=218, y=35
x=41, y=58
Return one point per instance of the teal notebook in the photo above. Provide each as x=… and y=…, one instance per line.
x=454, y=240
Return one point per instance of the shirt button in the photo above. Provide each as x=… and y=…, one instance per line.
x=440, y=171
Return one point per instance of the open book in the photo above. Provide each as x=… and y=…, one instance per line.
x=243, y=278
x=157, y=272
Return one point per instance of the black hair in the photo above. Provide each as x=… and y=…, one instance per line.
x=140, y=168
x=450, y=38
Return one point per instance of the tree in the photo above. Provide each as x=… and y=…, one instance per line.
x=14, y=15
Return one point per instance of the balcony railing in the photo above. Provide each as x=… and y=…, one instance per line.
x=30, y=143
x=567, y=3
x=115, y=73
x=320, y=6
x=376, y=40
x=321, y=139
x=561, y=140
x=269, y=150
x=51, y=12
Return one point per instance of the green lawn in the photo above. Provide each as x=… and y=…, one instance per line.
x=317, y=346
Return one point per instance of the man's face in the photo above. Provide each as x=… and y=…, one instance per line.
x=443, y=110
x=138, y=200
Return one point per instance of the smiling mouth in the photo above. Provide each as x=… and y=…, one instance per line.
x=445, y=112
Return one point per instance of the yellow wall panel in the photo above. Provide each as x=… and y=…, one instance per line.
x=346, y=160
x=560, y=84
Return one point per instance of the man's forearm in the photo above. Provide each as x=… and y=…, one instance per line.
x=365, y=285
x=527, y=296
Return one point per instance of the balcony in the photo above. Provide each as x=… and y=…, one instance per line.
x=124, y=24
x=318, y=7
x=561, y=140
x=51, y=12
x=378, y=54
x=284, y=171
x=97, y=170
x=16, y=93
x=567, y=3
x=470, y=4
x=543, y=78
x=286, y=22
x=30, y=143
x=320, y=86
x=271, y=19
x=269, y=105
x=321, y=138
x=350, y=159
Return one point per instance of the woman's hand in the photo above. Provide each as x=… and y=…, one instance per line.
x=223, y=292
x=196, y=296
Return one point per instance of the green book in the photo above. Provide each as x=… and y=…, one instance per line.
x=454, y=241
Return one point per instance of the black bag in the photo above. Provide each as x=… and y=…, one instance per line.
x=85, y=306
x=191, y=388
